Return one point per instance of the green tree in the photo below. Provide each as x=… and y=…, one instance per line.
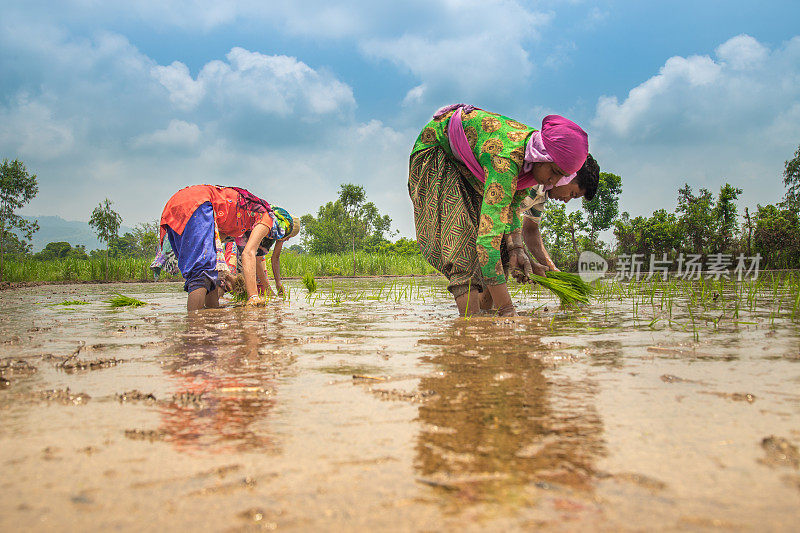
x=60, y=250
x=78, y=252
x=17, y=188
x=563, y=234
x=555, y=228
x=13, y=245
x=349, y=223
x=791, y=178
x=626, y=234
x=696, y=218
x=603, y=209
x=106, y=223
x=726, y=217
x=659, y=234
x=352, y=198
x=402, y=246
x=146, y=238
x=777, y=236
x=53, y=250
x=327, y=233
x=123, y=246
x=576, y=225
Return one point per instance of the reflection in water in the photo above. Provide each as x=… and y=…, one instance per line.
x=225, y=373
x=497, y=425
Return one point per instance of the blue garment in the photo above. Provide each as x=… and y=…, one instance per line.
x=196, y=251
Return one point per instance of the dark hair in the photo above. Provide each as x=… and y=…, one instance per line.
x=588, y=177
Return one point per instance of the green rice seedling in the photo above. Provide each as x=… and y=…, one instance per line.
x=73, y=302
x=574, y=281
x=310, y=282
x=565, y=291
x=694, y=326
x=238, y=291
x=120, y=300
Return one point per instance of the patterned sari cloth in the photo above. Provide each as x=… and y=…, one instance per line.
x=460, y=220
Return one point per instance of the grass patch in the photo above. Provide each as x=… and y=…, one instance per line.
x=120, y=300
x=310, y=282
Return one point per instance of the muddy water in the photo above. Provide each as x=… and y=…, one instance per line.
x=370, y=406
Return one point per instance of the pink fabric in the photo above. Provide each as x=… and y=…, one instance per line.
x=563, y=181
x=446, y=109
x=461, y=148
x=565, y=142
x=463, y=151
x=535, y=151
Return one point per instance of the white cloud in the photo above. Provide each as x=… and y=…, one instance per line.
x=472, y=49
x=202, y=14
x=184, y=92
x=177, y=134
x=662, y=94
x=29, y=129
x=96, y=118
x=596, y=16
x=723, y=97
x=478, y=49
x=415, y=95
x=742, y=52
x=272, y=84
x=705, y=121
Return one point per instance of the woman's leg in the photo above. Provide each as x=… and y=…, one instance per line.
x=469, y=303
x=197, y=258
x=212, y=298
x=197, y=299
x=446, y=215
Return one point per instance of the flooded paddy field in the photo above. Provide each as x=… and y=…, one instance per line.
x=370, y=405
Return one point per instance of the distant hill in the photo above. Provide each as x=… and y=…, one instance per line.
x=56, y=229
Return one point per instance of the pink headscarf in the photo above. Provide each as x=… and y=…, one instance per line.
x=565, y=142
x=535, y=152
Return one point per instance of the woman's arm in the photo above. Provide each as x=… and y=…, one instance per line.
x=261, y=276
x=276, y=266
x=249, y=262
x=533, y=240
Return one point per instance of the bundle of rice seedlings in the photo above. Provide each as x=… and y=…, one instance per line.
x=565, y=291
x=574, y=280
x=238, y=291
x=310, y=282
x=73, y=302
x=124, y=301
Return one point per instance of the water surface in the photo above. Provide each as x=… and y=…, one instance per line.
x=370, y=405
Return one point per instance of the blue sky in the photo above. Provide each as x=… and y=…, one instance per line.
x=134, y=100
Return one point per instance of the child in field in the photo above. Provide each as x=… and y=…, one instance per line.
x=198, y=218
x=164, y=262
x=264, y=248
x=584, y=184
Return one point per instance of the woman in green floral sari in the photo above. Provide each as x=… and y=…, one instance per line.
x=468, y=172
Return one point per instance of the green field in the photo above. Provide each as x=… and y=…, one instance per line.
x=138, y=269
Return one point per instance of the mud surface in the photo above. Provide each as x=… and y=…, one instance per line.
x=371, y=406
